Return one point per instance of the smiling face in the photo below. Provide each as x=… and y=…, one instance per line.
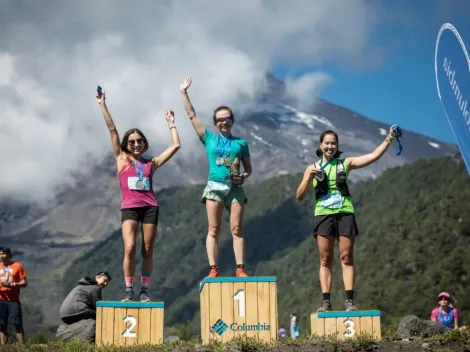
x=444, y=301
x=223, y=120
x=134, y=143
x=102, y=281
x=329, y=145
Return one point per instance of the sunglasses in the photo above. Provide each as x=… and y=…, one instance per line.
x=443, y=298
x=138, y=141
x=223, y=119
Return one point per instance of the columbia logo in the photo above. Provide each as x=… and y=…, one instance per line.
x=219, y=327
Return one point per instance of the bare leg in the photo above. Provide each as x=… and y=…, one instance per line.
x=214, y=217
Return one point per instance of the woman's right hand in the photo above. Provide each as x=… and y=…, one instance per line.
x=311, y=171
x=185, y=85
x=101, y=97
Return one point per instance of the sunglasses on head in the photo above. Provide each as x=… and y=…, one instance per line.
x=223, y=119
x=138, y=141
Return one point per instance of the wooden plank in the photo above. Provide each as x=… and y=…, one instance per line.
x=273, y=313
x=376, y=329
x=134, y=313
x=107, y=330
x=264, y=309
x=99, y=321
x=366, y=325
x=215, y=304
x=119, y=326
x=251, y=307
x=330, y=327
x=239, y=305
x=227, y=309
x=156, y=323
x=145, y=326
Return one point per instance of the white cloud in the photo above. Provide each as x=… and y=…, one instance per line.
x=53, y=54
x=302, y=89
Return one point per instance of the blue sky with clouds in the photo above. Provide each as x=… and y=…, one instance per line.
x=402, y=88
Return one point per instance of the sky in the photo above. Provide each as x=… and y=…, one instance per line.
x=401, y=87
x=375, y=57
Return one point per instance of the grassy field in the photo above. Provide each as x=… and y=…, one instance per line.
x=453, y=341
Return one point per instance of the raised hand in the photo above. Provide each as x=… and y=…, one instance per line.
x=170, y=116
x=185, y=85
x=101, y=98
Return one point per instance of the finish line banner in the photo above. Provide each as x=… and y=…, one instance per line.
x=452, y=67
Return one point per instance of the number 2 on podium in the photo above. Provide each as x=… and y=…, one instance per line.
x=240, y=297
x=132, y=324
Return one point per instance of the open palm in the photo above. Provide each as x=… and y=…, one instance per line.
x=186, y=83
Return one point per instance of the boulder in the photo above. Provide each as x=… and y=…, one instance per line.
x=412, y=326
x=83, y=330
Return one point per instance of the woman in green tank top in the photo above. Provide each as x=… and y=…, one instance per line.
x=334, y=210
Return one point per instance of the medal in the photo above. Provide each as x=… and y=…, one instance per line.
x=223, y=148
x=140, y=173
x=139, y=185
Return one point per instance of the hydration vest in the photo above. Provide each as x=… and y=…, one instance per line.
x=321, y=189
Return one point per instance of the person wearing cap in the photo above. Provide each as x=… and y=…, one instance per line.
x=445, y=314
x=12, y=279
x=80, y=303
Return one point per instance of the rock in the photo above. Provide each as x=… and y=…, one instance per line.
x=83, y=330
x=411, y=326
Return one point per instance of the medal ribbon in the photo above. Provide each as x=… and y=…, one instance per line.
x=140, y=173
x=225, y=148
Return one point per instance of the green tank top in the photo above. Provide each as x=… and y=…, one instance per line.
x=333, y=202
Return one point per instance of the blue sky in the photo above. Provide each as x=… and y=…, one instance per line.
x=402, y=89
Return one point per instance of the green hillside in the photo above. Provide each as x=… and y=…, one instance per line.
x=414, y=243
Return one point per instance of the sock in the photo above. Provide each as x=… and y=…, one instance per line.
x=350, y=294
x=145, y=281
x=326, y=296
x=129, y=281
x=240, y=266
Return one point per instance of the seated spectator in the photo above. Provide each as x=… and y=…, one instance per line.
x=80, y=303
x=445, y=314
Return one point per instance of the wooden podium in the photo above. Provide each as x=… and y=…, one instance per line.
x=344, y=325
x=238, y=307
x=129, y=323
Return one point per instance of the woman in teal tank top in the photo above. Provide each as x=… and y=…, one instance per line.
x=334, y=210
x=225, y=154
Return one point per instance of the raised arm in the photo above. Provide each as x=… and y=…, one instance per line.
x=197, y=124
x=358, y=162
x=101, y=98
x=175, y=142
x=304, y=186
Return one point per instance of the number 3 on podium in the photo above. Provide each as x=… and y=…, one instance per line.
x=240, y=297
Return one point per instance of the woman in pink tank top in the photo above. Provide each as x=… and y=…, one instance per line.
x=138, y=203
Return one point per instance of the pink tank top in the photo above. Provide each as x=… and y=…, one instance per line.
x=136, y=198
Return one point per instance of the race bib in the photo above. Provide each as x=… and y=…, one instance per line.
x=223, y=187
x=332, y=201
x=134, y=184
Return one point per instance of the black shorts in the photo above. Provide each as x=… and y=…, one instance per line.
x=341, y=224
x=145, y=215
x=10, y=313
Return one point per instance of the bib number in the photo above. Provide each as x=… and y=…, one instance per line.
x=134, y=184
x=332, y=201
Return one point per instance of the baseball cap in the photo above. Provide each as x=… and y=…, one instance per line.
x=443, y=294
